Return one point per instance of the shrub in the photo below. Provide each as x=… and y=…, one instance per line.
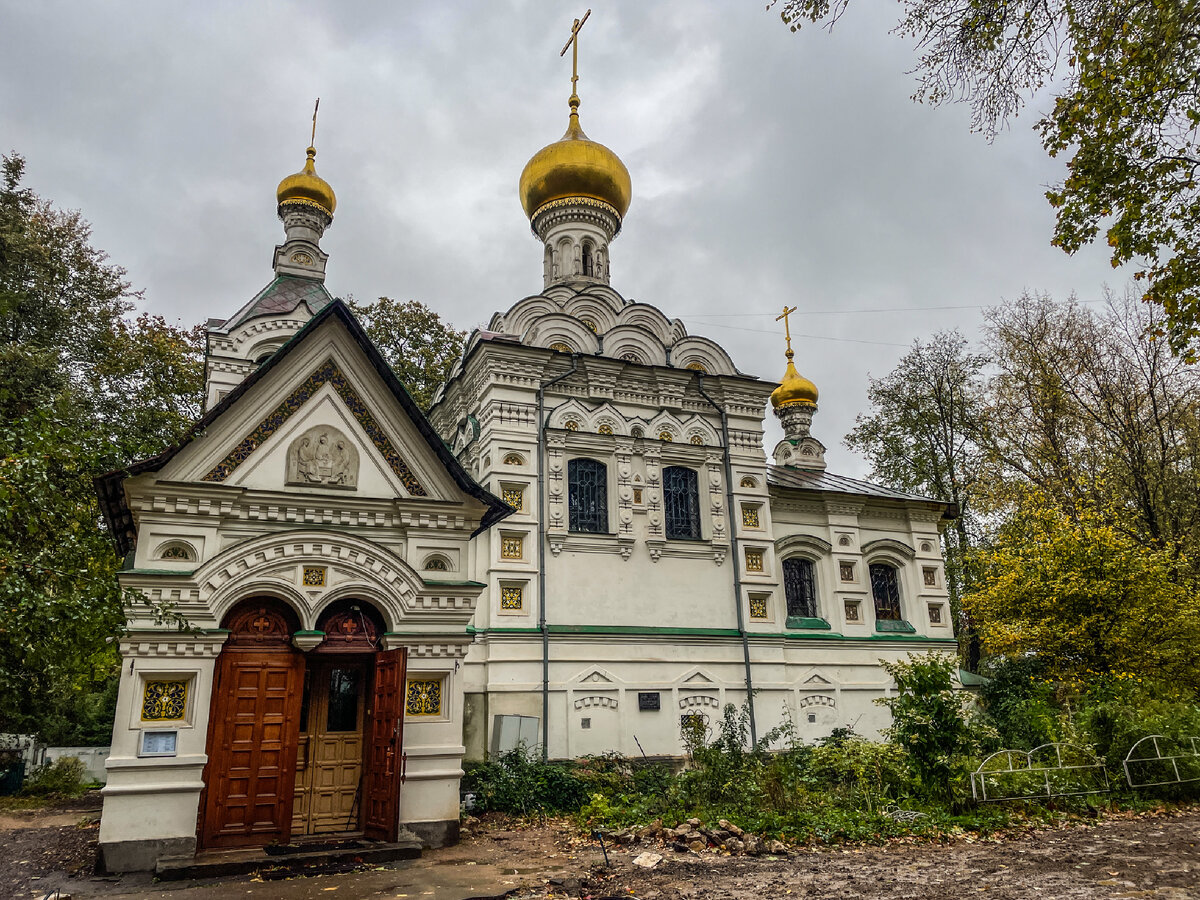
x=1020, y=704
x=869, y=771
x=519, y=782
x=65, y=777
x=930, y=721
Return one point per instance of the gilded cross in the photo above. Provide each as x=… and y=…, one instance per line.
x=573, y=45
x=786, y=330
x=313, y=142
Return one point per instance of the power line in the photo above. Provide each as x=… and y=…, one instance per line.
x=815, y=337
x=844, y=312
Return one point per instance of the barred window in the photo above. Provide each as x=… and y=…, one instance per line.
x=886, y=591
x=800, y=588
x=587, y=484
x=681, y=503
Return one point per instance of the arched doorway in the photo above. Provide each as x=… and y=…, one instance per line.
x=303, y=743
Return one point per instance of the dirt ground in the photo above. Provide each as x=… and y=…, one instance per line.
x=1120, y=856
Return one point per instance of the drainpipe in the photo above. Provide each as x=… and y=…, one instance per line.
x=541, y=534
x=733, y=552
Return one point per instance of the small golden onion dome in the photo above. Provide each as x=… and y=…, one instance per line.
x=308, y=188
x=575, y=167
x=794, y=388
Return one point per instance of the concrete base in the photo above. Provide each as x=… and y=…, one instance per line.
x=435, y=834
x=141, y=856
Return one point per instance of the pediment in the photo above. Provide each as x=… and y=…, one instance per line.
x=697, y=680
x=817, y=681
x=323, y=448
x=330, y=358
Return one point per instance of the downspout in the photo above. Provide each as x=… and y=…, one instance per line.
x=733, y=552
x=541, y=535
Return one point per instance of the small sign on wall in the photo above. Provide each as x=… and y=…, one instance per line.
x=648, y=700
x=159, y=743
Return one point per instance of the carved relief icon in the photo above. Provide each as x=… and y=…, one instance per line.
x=323, y=455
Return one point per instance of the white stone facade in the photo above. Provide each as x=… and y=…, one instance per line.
x=630, y=611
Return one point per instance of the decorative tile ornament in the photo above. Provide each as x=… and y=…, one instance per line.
x=935, y=614
x=571, y=425
x=511, y=597
x=758, y=606
x=423, y=697
x=436, y=564
x=514, y=459
x=696, y=439
x=846, y=571
x=514, y=497
x=314, y=576
x=930, y=577
x=754, y=560
x=164, y=701
x=605, y=428
x=327, y=373
x=852, y=610
x=589, y=324
x=748, y=482
x=176, y=551
x=750, y=517
x=665, y=436
x=559, y=347
x=512, y=547
x=697, y=367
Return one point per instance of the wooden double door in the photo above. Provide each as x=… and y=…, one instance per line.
x=300, y=744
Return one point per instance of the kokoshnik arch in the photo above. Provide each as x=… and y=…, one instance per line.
x=584, y=533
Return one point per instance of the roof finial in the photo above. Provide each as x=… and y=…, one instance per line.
x=787, y=330
x=573, y=44
x=312, y=144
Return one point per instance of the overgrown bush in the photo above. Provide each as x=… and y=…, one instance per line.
x=870, y=773
x=1117, y=712
x=519, y=782
x=65, y=777
x=1019, y=701
x=930, y=720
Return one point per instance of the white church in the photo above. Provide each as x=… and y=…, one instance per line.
x=583, y=546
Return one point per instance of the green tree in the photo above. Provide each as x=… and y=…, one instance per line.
x=922, y=435
x=1085, y=597
x=420, y=347
x=1125, y=76
x=82, y=390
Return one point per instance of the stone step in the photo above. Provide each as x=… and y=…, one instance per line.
x=296, y=859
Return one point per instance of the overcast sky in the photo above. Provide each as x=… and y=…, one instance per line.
x=768, y=167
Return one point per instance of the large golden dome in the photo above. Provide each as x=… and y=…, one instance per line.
x=308, y=188
x=575, y=167
x=794, y=388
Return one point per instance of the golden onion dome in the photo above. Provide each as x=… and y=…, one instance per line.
x=307, y=188
x=575, y=167
x=794, y=388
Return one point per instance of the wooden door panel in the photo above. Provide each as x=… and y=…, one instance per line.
x=256, y=706
x=381, y=784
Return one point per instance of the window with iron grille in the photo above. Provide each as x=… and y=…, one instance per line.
x=681, y=503
x=587, y=486
x=800, y=588
x=886, y=592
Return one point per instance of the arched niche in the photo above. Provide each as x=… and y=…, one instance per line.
x=693, y=351
x=626, y=339
x=260, y=623
x=650, y=318
x=351, y=625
